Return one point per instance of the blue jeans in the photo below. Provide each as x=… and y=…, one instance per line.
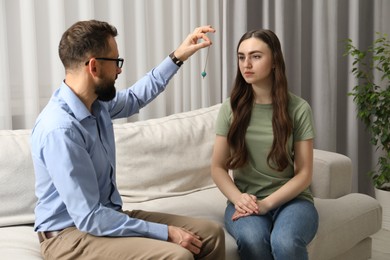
x=281, y=234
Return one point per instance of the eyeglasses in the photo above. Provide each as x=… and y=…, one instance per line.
x=119, y=61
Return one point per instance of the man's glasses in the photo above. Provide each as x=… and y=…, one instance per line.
x=119, y=61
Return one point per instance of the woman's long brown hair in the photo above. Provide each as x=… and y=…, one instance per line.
x=242, y=101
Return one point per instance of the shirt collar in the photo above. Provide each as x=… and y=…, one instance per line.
x=76, y=106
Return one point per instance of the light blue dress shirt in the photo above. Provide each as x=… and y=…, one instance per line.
x=73, y=152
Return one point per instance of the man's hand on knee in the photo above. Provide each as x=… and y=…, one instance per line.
x=185, y=239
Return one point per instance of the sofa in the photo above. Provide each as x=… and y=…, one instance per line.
x=164, y=165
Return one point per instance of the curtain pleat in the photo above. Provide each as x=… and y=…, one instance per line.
x=5, y=90
x=28, y=64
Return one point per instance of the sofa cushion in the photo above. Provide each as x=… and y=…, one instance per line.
x=181, y=147
x=344, y=222
x=19, y=242
x=16, y=178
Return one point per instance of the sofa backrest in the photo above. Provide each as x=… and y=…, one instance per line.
x=16, y=178
x=166, y=156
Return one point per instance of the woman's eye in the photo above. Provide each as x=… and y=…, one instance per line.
x=241, y=57
x=256, y=57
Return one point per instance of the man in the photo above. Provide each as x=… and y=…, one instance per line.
x=79, y=210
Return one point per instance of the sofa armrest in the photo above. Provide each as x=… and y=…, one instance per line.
x=332, y=175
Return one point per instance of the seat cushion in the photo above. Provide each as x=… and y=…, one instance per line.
x=344, y=222
x=19, y=242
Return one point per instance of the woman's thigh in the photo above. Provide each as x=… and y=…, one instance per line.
x=297, y=218
x=252, y=234
x=258, y=225
x=295, y=225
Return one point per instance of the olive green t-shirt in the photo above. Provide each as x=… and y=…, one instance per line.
x=256, y=177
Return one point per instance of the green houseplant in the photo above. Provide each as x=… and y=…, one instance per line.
x=373, y=108
x=373, y=100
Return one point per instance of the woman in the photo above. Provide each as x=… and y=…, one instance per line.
x=265, y=136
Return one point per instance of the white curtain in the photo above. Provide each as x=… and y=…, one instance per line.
x=312, y=34
x=149, y=30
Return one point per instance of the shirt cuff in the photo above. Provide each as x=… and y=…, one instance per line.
x=168, y=67
x=158, y=231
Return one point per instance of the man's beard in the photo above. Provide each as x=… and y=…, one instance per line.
x=105, y=91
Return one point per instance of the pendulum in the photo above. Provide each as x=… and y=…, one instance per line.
x=204, y=69
x=205, y=64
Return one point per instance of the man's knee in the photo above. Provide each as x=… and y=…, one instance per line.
x=218, y=230
x=214, y=244
x=183, y=255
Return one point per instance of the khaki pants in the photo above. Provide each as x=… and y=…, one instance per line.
x=74, y=244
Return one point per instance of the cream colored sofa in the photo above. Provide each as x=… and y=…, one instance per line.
x=164, y=165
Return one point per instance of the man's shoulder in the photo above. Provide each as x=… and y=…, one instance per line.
x=54, y=118
x=56, y=114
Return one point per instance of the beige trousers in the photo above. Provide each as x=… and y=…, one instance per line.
x=74, y=244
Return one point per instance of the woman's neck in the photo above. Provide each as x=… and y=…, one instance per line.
x=262, y=94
